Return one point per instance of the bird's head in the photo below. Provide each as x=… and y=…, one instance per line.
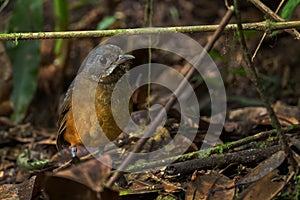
x=105, y=63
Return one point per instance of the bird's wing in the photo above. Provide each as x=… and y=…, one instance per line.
x=64, y=109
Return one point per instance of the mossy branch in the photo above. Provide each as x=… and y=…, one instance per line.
x=201, y=154
x=265, y=26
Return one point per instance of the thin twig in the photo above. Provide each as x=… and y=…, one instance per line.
x=265, y=34
x=274, y=16
x=258, y=26
x=169, y=104
x=251, y=71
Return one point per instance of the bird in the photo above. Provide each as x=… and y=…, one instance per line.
x=99, y=73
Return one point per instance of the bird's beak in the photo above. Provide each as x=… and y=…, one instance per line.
x=121, y=59
x=124, y=58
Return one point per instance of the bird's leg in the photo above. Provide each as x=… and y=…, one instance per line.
x=75, y=159
x=74, y=150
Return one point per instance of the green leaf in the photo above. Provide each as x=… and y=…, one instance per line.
x=61, y=13
x=27, y=16
x=25, y=162
x=106, y=22
x=25, y=59
x=288, y=9
x=25, y=56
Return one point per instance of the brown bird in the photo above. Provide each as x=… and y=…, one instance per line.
x=87, y=104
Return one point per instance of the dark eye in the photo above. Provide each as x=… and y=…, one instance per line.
x=103, y=60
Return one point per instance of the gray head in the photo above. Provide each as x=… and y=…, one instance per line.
x=103, y=60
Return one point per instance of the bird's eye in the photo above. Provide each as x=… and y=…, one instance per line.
x=103, y=60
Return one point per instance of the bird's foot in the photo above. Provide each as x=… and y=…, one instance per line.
x=75, y=158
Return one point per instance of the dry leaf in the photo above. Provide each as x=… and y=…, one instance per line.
x=210, y=186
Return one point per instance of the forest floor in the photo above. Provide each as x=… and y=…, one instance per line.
x=247, y=160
